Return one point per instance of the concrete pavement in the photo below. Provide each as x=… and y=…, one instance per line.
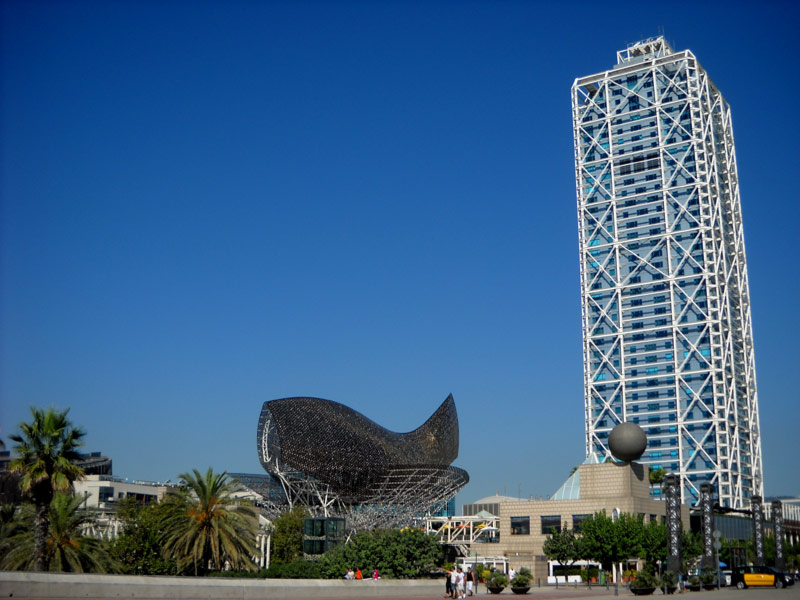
x=68, y=586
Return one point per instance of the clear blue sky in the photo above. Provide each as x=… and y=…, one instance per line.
x=208, y=205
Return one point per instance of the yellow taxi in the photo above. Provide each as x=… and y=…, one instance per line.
x=743, y=577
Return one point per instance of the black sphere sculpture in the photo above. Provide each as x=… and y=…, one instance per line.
x=627, y=441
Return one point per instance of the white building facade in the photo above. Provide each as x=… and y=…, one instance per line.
x=667, y=330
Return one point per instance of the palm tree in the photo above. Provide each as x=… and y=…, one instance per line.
x=46, y=450
x=66, y=547
x=208, y=526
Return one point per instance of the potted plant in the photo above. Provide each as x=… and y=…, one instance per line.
x=669, y=582
x=643, y=584
x=496, y=582
x=693, y=584
x=709, y=580
x=480, y=571
x=627, y=575
x=522, y=581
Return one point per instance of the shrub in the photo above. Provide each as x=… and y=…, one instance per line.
x=240, y=574
x=644, y=580
x=522, y=578
x=397, y=554
x=480, y=571
x=669, y=579
x=299, y=569
x=496, y=579
x=708, y=577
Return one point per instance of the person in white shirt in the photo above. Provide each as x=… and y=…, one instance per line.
x=460, y=584
x=511, y=574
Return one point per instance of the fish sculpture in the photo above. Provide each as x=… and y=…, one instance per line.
x=338, y=446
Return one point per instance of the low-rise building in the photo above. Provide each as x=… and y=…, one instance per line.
x=104, y=491
x=615, y=488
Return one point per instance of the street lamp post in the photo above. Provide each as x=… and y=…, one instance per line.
x=658, y=562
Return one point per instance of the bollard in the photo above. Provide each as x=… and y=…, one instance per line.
x=538, y=582
x=556, y=581
x=616, y=588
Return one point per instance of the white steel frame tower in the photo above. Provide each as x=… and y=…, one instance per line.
x=667, y=332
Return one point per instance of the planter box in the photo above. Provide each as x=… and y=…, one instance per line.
x=642, y=591
x=521, y=590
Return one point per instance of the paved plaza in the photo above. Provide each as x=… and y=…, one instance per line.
x=98, y=587
x=583, y=593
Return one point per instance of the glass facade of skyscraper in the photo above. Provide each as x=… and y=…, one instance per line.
x=665, y=304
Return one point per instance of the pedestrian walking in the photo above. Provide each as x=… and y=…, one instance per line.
x=460, y=584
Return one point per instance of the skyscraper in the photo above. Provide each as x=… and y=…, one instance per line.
x=667, y=335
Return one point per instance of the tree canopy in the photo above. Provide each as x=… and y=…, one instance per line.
x=563, y=546
x=287, y=535
x=137, y=549
x=206, y=526
x=46, y=450
x=396, y=553
x=607, y=541
x=67, y=548
x=654, y=543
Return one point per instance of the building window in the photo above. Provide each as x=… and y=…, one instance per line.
x=577, y=521
x=520, y=525
x=551, y=523
x=105, y=494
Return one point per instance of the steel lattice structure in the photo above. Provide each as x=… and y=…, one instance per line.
x=667, y=332
x=335, y=461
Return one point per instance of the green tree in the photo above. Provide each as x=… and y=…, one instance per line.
x=609, y=542
x=206, y=526
x=67, y=548
x=691, y=544
x=629, y=536
x=597, y=539
x=563, y=547
x=654, y=544
x=10, y=526
x=46, y=449
x=137, y=548
x=656, y=477
x=396, y=553
x=287, y=535
x=769, y=549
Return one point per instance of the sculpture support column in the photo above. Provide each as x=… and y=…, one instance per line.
x=758, y=530
x=777, y=520
x=673, y=508
x=706, y=503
